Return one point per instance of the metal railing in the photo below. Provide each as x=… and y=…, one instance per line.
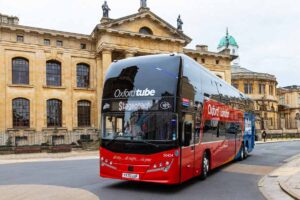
x=46, y=139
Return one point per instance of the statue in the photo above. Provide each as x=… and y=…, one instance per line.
x=105, y=9
x=179, y=23
x=143, y=3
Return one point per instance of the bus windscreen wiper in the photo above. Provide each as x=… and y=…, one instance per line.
x=131, y=137
x=145, y=142
x=115, y=138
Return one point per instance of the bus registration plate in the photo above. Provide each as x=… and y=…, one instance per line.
x=131, y=176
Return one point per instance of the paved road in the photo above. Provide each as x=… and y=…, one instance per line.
x=235, y=181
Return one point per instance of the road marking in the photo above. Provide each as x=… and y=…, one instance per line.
x=38, y=192
x=249, y=169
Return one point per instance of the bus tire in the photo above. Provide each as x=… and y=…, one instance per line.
x=242, y=152
x=246, y=151
x=205, y=166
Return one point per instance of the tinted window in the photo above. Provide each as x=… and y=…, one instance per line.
x=143, y=77
x=140, y=126
x=210, y=131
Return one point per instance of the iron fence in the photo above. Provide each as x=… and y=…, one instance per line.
x=46, y=139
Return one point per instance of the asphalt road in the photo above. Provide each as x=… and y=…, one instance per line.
x=222, y=184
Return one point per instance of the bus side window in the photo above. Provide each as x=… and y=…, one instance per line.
x=188, y=133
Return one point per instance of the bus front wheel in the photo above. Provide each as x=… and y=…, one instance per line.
x=205, y=166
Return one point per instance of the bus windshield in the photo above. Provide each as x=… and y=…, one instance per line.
x=140, y=126
x=140, y=78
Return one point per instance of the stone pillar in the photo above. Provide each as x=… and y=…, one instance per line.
x=282, y=123
x=40, y=100
x=298, y=123
x=2, y=93
x=106, y=60
x=99, y=86
x=266, y=125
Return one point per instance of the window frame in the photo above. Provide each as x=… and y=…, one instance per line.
x=24, y=123
x=145, y=30
x=262, y=88
x=83, y=75
x=83, y=46
x=59, y=43
x=47, y=40
x=20, y=38
x=84, y=113
x=52, y=73
x=56, y=121
x=22, y=75
x=248, y=88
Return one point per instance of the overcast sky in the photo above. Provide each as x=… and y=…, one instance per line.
x=267, y=31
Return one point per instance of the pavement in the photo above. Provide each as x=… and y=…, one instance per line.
x=48, y=157
x=284, y=182
x=276, y=140
x=45, y=192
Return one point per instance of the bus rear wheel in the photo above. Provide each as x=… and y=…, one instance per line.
x=205, y=166
x=242, y=153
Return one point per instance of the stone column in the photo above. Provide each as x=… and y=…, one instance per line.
x=298, y=123
x=106, y=60
x=40, y=100
x=99, y=86
x=282, y=123
x=2, y=93
x=266, y=124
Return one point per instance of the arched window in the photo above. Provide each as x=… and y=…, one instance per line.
x=84, y=113
x=83, y=75
x=54, y=113
x=21, y=113
x=146, y=31
x=53, y=73
x=20, y=71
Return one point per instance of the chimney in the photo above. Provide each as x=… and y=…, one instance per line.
x=201, y=47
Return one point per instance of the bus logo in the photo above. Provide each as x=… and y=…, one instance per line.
x=165, y=105
x=134, y=93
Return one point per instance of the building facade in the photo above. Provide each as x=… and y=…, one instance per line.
x=260, y=87
x=51, y=81
x=289, y=106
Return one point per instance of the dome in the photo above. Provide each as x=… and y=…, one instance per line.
x=227, y=41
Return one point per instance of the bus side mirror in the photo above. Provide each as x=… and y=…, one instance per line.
x=187, y=133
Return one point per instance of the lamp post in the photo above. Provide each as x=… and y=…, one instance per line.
x=263, y=103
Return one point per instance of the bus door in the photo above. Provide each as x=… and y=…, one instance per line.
x=188, y=147
x=239, y=133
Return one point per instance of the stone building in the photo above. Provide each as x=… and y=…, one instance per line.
x=261, y=87
x=51, y=81
x=289, y=106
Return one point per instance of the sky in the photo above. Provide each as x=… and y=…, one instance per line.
x=267, y=31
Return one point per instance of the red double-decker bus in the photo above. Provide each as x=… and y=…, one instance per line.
x=166, y=119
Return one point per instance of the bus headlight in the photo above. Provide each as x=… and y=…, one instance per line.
x=163, y=166
x=107, y=163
